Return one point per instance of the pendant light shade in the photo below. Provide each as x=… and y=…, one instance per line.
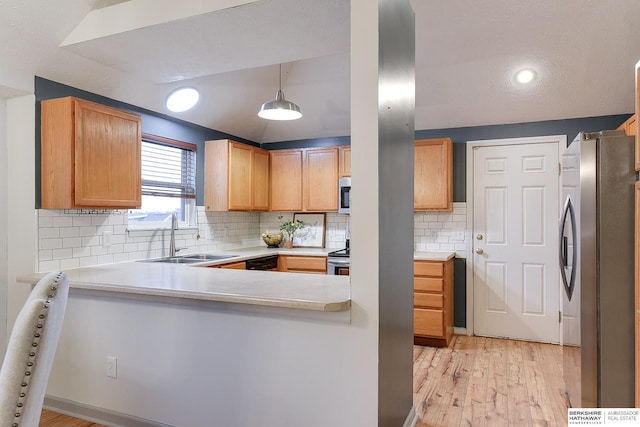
x=280, y=108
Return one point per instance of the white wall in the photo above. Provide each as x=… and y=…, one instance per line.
x=3, y=226
x=193, y=366
x=21, y=219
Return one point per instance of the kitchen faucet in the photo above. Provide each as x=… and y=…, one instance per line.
x=172, y=240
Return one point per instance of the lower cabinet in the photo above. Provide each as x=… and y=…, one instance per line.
x=238, y=265
x=303, y=264
x=433, y=302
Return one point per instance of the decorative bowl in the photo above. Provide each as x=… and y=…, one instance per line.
x=272, y=240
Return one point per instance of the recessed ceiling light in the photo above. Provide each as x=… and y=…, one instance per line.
x=182, y=99
x=525, y=76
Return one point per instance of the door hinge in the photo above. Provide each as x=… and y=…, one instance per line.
x=559, y=168
x=559, y=317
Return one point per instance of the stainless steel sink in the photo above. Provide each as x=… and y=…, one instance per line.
x=207, y=257
x=174, y=260
x=189, y=259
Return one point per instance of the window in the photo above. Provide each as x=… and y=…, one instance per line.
x=168, y=183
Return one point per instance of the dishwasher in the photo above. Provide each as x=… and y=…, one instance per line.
x=267, y=263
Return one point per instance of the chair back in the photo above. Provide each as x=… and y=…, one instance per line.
x=30, y=352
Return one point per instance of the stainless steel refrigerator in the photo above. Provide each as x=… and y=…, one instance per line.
x=596, y=263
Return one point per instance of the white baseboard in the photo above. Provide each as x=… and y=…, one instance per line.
x=412, y=418
x=460, y=331
x=97, y=415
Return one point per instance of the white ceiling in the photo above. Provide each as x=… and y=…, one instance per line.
x=467, y=51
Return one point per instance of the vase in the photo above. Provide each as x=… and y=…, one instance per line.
x=288, y=244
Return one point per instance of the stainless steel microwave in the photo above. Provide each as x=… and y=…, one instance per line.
x=344, y=198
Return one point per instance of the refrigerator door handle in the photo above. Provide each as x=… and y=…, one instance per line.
x=569, y=284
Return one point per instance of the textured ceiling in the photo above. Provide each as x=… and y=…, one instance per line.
x=466, y=54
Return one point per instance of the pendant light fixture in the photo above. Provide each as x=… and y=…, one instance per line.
x=280, y=108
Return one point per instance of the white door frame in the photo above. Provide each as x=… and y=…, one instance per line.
x=561, y=140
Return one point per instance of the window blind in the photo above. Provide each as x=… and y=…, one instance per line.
x=168, y=170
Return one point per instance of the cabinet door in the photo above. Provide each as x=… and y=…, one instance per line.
x=433, y=175
x=637, y=291
x=260, y=180
x=345, y=161
x=637, y=132
x=239, y=184
x=286, y=180
x=107, y=157
x=321, y=180
x=428, y=322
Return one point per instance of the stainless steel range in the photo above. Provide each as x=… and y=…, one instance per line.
x=338, y=262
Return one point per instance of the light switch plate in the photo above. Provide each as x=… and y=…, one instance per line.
x=106, y=238
x=458, y=235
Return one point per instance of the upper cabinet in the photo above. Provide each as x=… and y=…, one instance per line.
x=629, y=126
x=90, y=156
x=637, y=131
x=236, y=177
x=304, y=179
x=321, y=179
x=286, y=180
x=345, y=161
x=433, y=175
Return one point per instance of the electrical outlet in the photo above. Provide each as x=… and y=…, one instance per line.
x=433, y=232
x=112, y=367
x=458, y=235
x=106, y=238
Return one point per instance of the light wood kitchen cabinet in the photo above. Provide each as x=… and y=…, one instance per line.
x=345, y=161
x=637, y=114
x=433, y=302
x=304, y=180
x=303, y=264
x=433, y=175
x=90, y=156
x=320, y=187
x=629, y=126
x=237, y=265
x=236, y=177
x=286, y=180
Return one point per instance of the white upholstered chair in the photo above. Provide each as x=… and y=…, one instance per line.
x=30, y=351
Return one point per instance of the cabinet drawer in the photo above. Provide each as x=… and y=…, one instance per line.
x=425, y=268
x=306, y=263
x=428, y=284
x=235, y=265
x=428, y=300
x=428, y=322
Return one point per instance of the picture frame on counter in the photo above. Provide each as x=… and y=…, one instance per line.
x=312, y=235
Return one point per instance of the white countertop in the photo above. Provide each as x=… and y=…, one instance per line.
x=316, y=292
x=433, y=256
x=291, y=290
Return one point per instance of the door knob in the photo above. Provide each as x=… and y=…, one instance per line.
x=479, y=236
x=479, y=251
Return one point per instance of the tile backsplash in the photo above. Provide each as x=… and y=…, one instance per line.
x=442, y=231
x=80, y=238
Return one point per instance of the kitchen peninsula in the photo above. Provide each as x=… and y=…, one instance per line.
x=191, y=342
x=197, y=282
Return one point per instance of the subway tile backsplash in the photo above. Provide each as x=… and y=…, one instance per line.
x=80, y=238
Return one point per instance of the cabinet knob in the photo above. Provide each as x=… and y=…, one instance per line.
x=479, y=236
x=479, y=251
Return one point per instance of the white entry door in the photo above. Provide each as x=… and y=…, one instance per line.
x=515, y=241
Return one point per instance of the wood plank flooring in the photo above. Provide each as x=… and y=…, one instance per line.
x=480, y=381
x=53, y=419
x=476, y=381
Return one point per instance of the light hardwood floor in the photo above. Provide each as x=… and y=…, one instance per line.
x=479, y=381
x=476, y=381
x=53, y=419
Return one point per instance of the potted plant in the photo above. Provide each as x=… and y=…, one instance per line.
x=290, y=228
